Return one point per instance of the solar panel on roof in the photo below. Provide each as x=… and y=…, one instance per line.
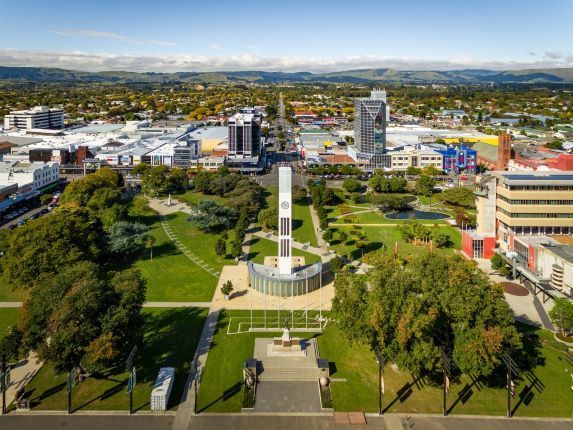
x=535, y=177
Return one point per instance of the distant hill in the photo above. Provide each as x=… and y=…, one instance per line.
x=468, y=76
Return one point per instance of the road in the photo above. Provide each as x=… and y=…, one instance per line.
x=276, y=422
x=23, y=216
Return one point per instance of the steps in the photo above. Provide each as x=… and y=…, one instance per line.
x=288, y=374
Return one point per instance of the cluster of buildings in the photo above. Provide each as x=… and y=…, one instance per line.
x=37, y=135
x=528, y=218
x=381, y=145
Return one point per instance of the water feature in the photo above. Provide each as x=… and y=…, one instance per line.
x=416, y=214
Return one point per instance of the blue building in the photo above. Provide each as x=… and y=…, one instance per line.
x=458, y=158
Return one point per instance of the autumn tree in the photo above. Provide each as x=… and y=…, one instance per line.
x=410, y=312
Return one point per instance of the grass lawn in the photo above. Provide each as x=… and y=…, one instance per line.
x=302, y=227
x=271, y=195
x=170, y=339
x=8, y=318
x=379, y=237
x=220, y=389
x=261, y=248
x=9, y=295
x=194, y=197
x=542, y=392
x=170, y=275
x=198, y=242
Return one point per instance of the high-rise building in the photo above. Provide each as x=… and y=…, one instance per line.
x=370, y=128
x=512, y=204
x=285, y=220
x=37, y=117
x=245, y=134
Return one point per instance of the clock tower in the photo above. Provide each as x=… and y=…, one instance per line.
x=285, y=220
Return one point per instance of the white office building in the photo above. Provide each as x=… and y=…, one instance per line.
x=39, y=117
x=29, y=176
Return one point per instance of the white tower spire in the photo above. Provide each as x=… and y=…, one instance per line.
x=285, y=220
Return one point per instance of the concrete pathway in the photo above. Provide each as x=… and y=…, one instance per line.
x=160, y=206
x=316, y=227
x=20, y=374
x=287, y=396
x=527, y=309
x=10, y=304
x=185, y=410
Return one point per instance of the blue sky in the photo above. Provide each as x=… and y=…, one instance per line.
x=295, y=35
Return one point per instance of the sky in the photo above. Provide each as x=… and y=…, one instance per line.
x=276, y=35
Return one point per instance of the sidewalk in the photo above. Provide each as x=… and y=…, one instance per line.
x=185, y=410
x=527, y=309
x=20, y=374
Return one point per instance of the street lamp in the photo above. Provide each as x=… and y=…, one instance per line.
x=380, y=359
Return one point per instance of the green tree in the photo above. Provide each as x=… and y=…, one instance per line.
x=210, y=216
x=425, y=185
x=43, y=248
x=459, y=196
x=78, y=320
x=409, y=313
x=342, y=236
x=126, y=238
x=336, y=264
x=46, y=199
x=221, y=247
x=227, y=288
x=328, y=235
x=268, y=218
x=496, y=261
x=352, y=185
x=562, y=315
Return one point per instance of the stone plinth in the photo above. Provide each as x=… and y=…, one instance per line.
x=274, y=261
x=285, y=346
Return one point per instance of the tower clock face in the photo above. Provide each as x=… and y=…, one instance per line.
x=284, y=205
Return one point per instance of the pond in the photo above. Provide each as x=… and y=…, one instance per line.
x=415, y=214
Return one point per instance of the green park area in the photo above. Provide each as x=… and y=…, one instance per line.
x=8, y=318
x=383, y=239
x=169, y=273
x=541, y=391
x=170, y=337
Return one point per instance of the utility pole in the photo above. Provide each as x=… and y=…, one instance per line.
x=381, y=363
x=4, y=382
x=69, y=385
x=447, y=369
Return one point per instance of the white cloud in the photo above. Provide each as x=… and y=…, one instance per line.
x=109, y=35
x=78, y=60
x=216, y=47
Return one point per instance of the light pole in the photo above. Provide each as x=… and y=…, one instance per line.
x=381, y=361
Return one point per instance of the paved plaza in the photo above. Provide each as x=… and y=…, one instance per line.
x=288, y=396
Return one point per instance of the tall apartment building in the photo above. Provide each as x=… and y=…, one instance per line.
x=370, y=128
x=37, y=117
x=245, y=134
x=511, y=204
